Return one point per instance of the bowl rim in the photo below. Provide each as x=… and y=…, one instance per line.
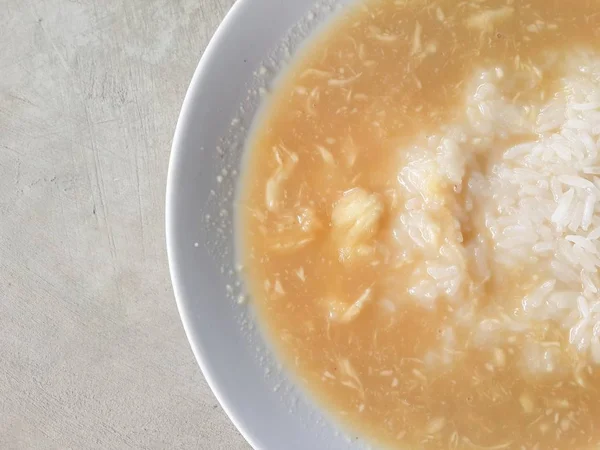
x=175, y=160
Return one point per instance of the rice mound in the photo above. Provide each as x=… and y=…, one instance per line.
x=507, y=195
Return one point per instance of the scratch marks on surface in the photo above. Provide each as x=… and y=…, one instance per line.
x=16, y=153
x=21, y=99
x=139, y=188
x=18, y=173
x=100, y=185
x=47, y=37
x=53, y=45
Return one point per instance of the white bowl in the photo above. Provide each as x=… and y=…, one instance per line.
x=267, y=408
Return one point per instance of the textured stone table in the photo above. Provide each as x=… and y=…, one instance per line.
x=93, y=355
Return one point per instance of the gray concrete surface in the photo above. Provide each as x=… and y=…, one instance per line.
x=93, y=355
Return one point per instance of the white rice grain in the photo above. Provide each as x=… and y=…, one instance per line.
x=534, y=209
x=562, y=209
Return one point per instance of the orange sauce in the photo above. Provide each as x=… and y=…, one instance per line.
x=386, y=72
